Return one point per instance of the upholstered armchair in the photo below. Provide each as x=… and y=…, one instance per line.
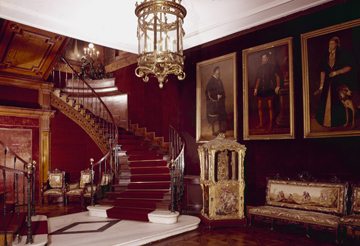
x=100, y=189
x=77, y=189
x=54, y=186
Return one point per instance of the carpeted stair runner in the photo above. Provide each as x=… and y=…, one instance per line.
x=18, y=225
x=149, y=163
x=156, y=185
x=149, y=178
x=37, y=227
x=12, y=220
x=145, y=179
x=129, y=214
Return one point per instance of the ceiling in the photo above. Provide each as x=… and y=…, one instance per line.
x=113, y=24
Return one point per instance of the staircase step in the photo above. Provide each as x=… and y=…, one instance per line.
x=136, y=147
x=129, y=203
x=123, y=131
x=150, y=178
x=150, y=163
x=12, y=222
x=146, y=185
x=130, y=137
x=150, y=170
x=129, y=214
x=141, y=152
x=145, y=157
x=39, y=225
x=138, y=194
x=132, y=141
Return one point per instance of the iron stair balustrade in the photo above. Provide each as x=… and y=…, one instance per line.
x=177, y=166
x=98, y=114
x=30, y=175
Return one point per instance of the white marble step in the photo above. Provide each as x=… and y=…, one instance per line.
x=157, y=216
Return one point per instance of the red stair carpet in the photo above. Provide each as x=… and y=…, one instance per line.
x=144, y=180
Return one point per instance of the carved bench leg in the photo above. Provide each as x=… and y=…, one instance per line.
x=308, y=230
x=251, y=219
x=343, y=233
x=273, y=223
x=338, y=232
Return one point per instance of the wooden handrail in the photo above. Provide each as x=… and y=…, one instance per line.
x=12, y=152
x=177, y=153
x=106, y=108
x=177, y=149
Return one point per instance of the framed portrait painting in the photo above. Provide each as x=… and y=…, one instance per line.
x=216, y=98
x=268, y=106
x=331, y=81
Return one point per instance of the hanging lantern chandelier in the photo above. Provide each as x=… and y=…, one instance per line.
x=160, y=35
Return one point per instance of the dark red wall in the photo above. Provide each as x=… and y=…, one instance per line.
x=19, y=97
x=150, y=106
x=323, y=157
x=33, y=124
x=176, y=104
x=71, y=147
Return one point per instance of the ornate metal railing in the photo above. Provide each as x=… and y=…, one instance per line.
x=85, y=99
x=177, y=153
x=28, y=174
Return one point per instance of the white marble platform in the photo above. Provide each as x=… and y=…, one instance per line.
x=98, y=210
x=82, y=229
x=163, y=217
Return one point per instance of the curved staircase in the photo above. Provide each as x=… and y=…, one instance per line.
x=143, y=180
x=142, y=164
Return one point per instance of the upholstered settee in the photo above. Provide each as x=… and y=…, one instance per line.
x=352, y=220
x=310, y=203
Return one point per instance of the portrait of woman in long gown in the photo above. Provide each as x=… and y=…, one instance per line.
x=331, y=80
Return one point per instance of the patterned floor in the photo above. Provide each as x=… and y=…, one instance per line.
x=258, y=234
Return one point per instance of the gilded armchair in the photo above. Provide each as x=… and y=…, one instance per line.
x=77, y=189
x=100, y=189
x=54, y=186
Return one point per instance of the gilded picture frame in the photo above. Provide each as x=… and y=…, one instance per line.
x=216, y=102
x=268, y=91
x=330, y=88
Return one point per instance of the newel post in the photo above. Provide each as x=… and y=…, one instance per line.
x=92, y=182
x=29, y=239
